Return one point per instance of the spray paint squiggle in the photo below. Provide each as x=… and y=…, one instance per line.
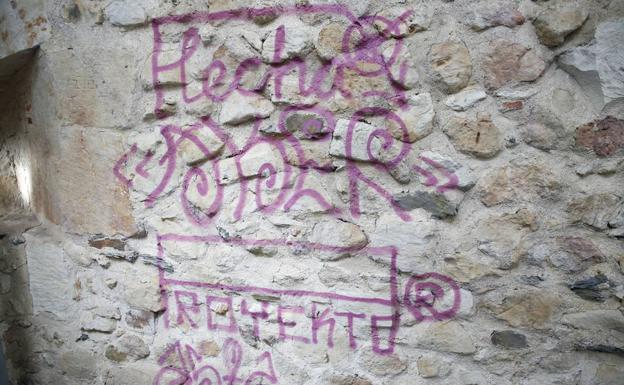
x=182, y=364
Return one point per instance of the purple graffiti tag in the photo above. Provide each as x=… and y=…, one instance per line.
x=280, y=40
x=206, y=375
x=369, y=49
x=318, y=126
x=323, y=127
x=372, y=66
x=350, y=317
x=269, y=376
x=423, y=298
x=256, y=316
x=320, y=320
x=199, y=217
x=172, y=349
x=284, y=324
x=376, y=320
x=431, y=179
x=354, y=172
x=365, y=50
x=424, y=291
x=227, y=302
x=231, y=354
x=170, y=160
x=140, y=168
x=183, y=307
x=123, y=161
x=171, y=376
x=453, y=180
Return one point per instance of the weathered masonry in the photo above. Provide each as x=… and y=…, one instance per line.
x=312, y=193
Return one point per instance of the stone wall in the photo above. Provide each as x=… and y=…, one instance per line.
x=371, y=192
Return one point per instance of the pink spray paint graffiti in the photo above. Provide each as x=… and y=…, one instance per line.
x=182, y=364
x=422, y=298
x=288, y=315
x=356, y=52
x=362, y=55
x=281, y=182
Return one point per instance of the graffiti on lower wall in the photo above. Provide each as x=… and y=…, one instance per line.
x=193, y=368
x=300, y=315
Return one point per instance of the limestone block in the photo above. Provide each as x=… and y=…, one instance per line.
x=447, y=336
x=479, y=137
x=83, y=160
x=509, y=339
x=609, y=52
x=360, y=147
x=241, y=108
x=501, y=15
x=126, y=14
x=417, y=117
x=465, y=99
x=410, y=21
x=596, y=328
x=451, y=65
x=509, y=61
x=600, y=211
x=508, y=184
x=339, y=233
x=142, y=292
x=128, y=347
x=50, y=280
x=392, y=364
x=553, y=25
x=328, y=42
x=529, y=309
x=79, y=364
x=289, y=40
